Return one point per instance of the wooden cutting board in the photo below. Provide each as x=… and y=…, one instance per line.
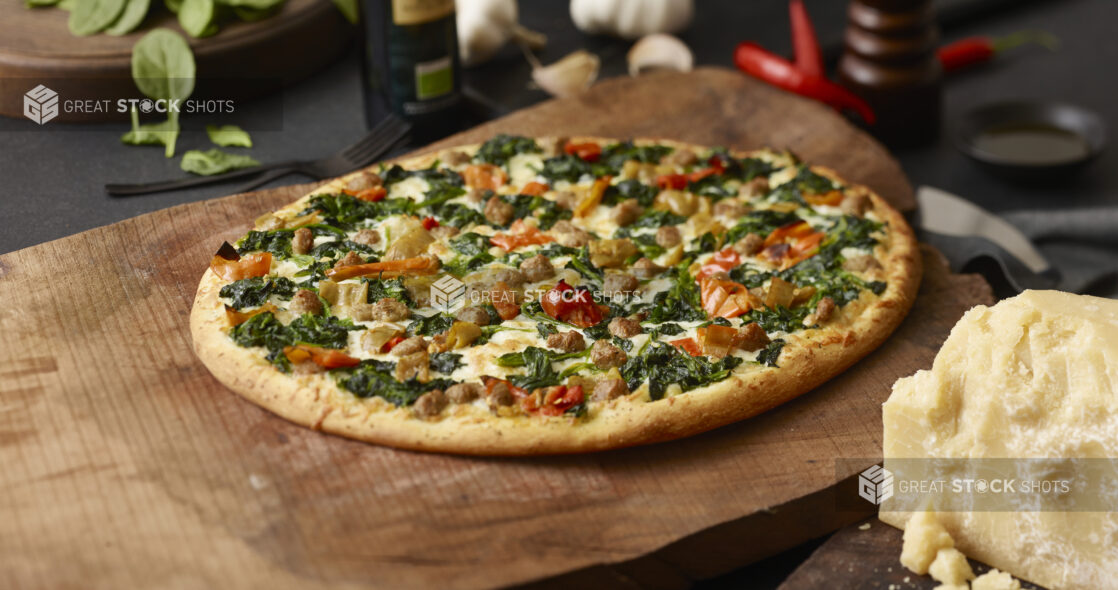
x=127, y=465
x=241, y=61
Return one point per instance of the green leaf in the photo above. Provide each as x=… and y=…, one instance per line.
x=348, y=8
x=228, y=136
x=196, y=16
x=501, y=148
x=39, y=3
x=130, y=18
x=163, y=65
x=92, y=16
x=165, y=133
x=214, y=161
x=255, y=291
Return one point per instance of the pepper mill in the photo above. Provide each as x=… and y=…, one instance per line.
x=890, y=61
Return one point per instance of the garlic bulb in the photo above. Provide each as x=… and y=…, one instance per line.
x=485, y=26
x=631, y=19
x=659, y=52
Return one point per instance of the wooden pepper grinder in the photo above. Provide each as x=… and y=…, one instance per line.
x=890, y=61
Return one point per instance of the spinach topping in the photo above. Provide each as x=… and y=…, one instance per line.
x=805, y=182
x=338, y=248
x=545, y=330
x=761, y=222
x=502, y=148
x=387, y=289
x=277, y=242
x=254, y=291
x=646, y=243
x=375, y=378
x=682, y=302
x=265, y=330
x=657, y=218
x=446, y=362
x=661, y=364
x=547, y=212
x=429, y=325
x=538, y=369
x=630, y=189
x=473, y=253
x=581, y=263
x=614, y=156
x=770, y=353
x=565, y=167
x=435, y=176
x=344, y=211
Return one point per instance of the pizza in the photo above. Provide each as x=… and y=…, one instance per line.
x=554, y=295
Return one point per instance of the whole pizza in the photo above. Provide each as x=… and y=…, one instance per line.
x=555, y=295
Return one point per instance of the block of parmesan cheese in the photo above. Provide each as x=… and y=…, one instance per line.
x=1035, y=376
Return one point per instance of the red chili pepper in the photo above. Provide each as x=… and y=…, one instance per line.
x=809, y=58
x=973, y=50
x=769, y=67
x=430, y=223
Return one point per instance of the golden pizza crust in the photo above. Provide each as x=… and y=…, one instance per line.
x=808, y=359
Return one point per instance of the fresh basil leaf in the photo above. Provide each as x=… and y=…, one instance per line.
x=90, y=17
x=214, y=161
x=228, y=136
x=130, y=18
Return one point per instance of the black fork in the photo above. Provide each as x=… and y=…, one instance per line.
x=376, y=143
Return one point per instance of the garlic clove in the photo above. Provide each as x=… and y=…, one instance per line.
x=659, y=51
x=569, y=76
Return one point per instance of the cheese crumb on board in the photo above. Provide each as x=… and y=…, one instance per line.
x=924, y=536
x=952, y=587
x=1035, y=376
x=995, y=580
x=950, y=567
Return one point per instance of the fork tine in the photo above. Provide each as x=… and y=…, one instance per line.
x=385, y=128
x=372, y=150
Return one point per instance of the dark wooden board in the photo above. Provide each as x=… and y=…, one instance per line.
x=36, y=47
x=866, y=556
x=127, y=465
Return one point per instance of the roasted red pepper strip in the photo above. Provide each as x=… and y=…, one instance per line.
x=687, y=345
x=769, y=67
x=809, y=58
x=574, y=306
x=973, y=50
x=672, y=181
x=430, y=223
x=251, y=265
x=327, y=358
x=587, y=151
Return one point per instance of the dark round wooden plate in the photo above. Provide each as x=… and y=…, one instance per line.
x=37, y=48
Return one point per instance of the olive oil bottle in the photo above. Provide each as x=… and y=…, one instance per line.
x=411, y=65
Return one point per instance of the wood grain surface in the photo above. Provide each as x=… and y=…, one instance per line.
x=127, y=465
x=866, y=556
x=36, y=47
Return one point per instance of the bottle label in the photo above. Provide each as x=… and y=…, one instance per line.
x=434, y=78
x=416, y=12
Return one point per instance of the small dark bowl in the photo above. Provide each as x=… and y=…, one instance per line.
x=1023, y=115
